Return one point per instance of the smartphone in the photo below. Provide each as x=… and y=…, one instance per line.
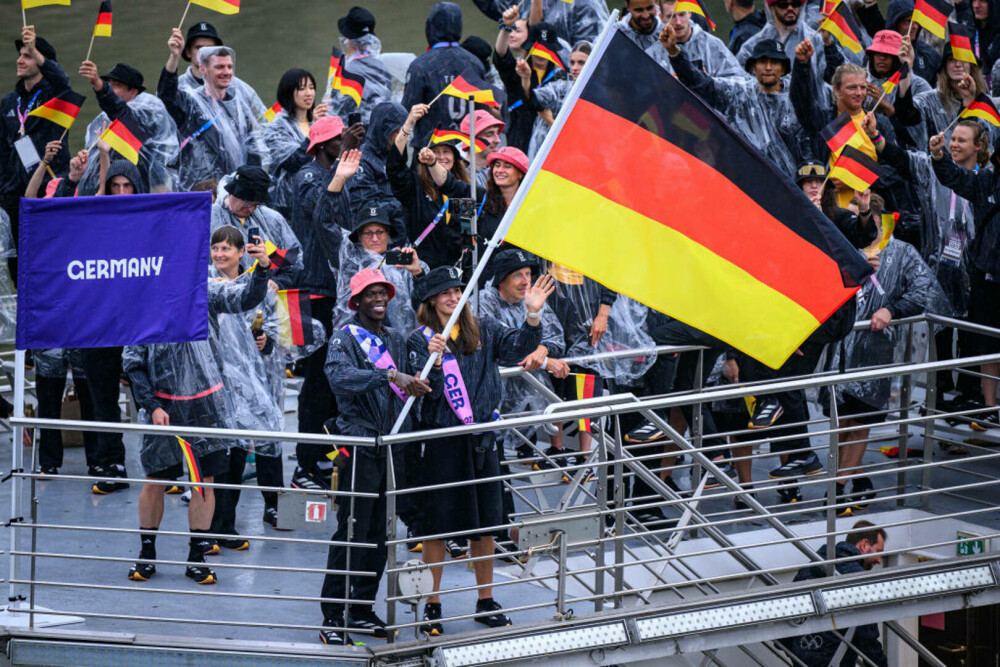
x=353, y=118
x=394, y=257
x=252, y=235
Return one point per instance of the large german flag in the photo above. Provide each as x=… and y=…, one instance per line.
x=61, y=110
x=982, y=107
x=933, y=15
x=729, y=245
x=841, y=24
x=961, y=38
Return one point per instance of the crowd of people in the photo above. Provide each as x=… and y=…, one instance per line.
x=371, y=205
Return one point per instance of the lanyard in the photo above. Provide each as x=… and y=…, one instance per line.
x=441, y=45
x=23, y=117
x=197, y=133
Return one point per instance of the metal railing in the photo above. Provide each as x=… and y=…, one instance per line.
x=585, y=546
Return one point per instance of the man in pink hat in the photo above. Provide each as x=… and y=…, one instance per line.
x=328, y=139
x=361, y=367
x=488, y=130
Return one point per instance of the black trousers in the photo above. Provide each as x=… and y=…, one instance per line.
x=967, y=385
x=224, y=517
x=270, y=472
x=316, y=401
x=365, y=472
x=50, y=395
x=11, y=203
x=103, y=366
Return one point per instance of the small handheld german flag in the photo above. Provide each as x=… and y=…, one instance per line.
x=588, y=386
x=280, y=256
x=839, y=132
x=352, y=85
x=61, y=110
x=932, y=15
x=336, y=67
x=123, y=139
x=542, y=51
x=273, y=112
x=841, y=24
x=194, y=471
x=468, y=84
x=441, y=136
x=31, y=4
x=297, y=329
x=893, y=81
x=695, y=7
x=855, y=169
x=961, y=36
x=221, y=6
x=103, y=26
x=982, y=107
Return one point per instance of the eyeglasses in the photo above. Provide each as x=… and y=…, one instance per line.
x=376, y=233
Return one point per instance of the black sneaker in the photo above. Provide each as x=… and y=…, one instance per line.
x=103, y=487
x=766, y=411
x=740, y=504
x=862, y=493
x=506, y=551
x=332, y=636
x=368, y=621
x=414, y=546
x=986, y=422
x=235, y=544
x=524, y=452
x=496, y=618
x=543, y=464
x=142, y=572
x=457, y=549
x=174, y=490
x=789, y=493
x=842, y=498
x=798, y=467
x=588, y=475
x=648, y=515
x=201, y=573
x=209, y=547
x=726, y=468
x=308, y=481
x=432, y=614
x=645, y=433
x=48, y=470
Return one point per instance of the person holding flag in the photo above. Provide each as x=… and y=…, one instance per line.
x=39, y=79
x=244, y=206
x=425, y=192
x=120, y=94
x=760, y=109
x=371, y=375
x=182, y=383
x=926, y=59
x=489, y=131
x=577, y=21
x=511, y=46
x=959, y=83
x=362, y=57
x=219, y=128
x=465, y=389
x=705, y=51
x=204, y=34
x=546, y=99
x=287, y=136
x=433, y=71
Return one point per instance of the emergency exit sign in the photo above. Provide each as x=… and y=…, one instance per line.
x=970, y=545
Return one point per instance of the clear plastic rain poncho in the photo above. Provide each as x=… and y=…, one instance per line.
x=936, y=117
x=580, y=20
x=273, y=227
x=216, y=136
x=399, y=313
x=706, y=52
x=53, y=362
x=576, y=302
x=8, y=301
x=518, y=394
x=908, y=288
x=766, y=120
x=378, y=81
x=244, y=373
x=186, y=380
x=238, y=87
x=644, y=42
x=158, y=156
x=287, y=146
x=948, y=230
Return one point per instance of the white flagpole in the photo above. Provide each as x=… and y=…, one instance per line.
x=600, y=45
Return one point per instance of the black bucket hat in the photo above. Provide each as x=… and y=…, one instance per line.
x=358, y=23
x=768, y=48
x=42, y=45
x=249, y=183
x=438, y=280
x=373, y=212
x=127, y=75
x=202, y=29
x=510, y=260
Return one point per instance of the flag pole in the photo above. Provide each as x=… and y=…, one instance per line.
x=91, y=47
x=184, y=15
x=474, y=223
x=24, y=17
x=438, y=96
x=600, y=45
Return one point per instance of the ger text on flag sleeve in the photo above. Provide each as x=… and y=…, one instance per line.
x=743, y=255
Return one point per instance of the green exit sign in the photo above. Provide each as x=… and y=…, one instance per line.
x=970, y=545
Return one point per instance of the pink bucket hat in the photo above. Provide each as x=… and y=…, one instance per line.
x=515, y=156
x=887, y=42
x=484, y=121
x=324, y=129
x=364, y=279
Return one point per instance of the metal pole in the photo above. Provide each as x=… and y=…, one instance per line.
x=910, y=640
x=619, y=516
x=474, y=223
x=832, y=465
x=602, y=507
x=17, y=457
x=392, y=583
x=931, y=405
x=561, y=579
x=904, y=413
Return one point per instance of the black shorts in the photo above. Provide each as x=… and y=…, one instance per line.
x=984, y=308
x=212, y=464
x=853, y=408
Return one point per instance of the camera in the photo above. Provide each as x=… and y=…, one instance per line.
x=401, y=257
